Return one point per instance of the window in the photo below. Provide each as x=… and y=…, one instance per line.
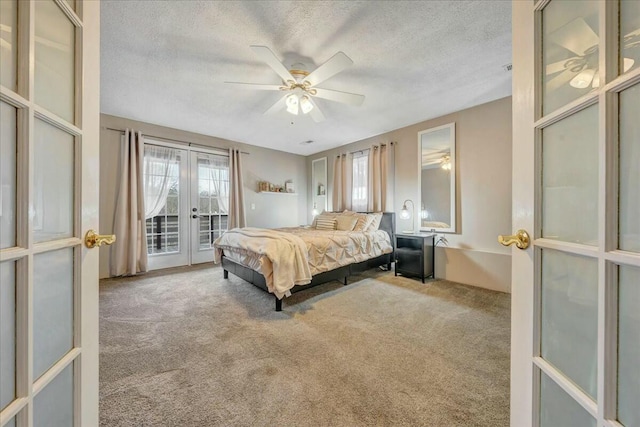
x=360, y=181
x=213, y=194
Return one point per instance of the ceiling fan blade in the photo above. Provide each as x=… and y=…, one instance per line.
x=344, y=97
x=560, y=80
x=315, y=113
x=333, y=66
x=576, y=36
x=279, y=105
x=556, y=67
x=255, y=86
x=266, y=55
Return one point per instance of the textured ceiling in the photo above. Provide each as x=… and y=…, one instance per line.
x=165, y=62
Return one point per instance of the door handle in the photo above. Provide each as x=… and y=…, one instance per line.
x=93, y=239
x=521, y=239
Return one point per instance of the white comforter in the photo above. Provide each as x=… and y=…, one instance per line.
x=321, y=251
x=282, y=256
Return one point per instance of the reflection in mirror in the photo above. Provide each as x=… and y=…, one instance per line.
x=319, y=185
x=438, y=178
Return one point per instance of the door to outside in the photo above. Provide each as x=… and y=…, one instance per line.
x=49, y=113
x=576, y=189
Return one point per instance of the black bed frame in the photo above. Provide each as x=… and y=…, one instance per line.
x=387, y=224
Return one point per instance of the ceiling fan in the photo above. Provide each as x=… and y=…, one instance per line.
x=300, y=85
x=581, y=71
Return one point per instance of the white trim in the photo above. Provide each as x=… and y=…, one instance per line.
x=569, y=247
x=53, y=371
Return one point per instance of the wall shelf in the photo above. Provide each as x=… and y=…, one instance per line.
x=278, y=192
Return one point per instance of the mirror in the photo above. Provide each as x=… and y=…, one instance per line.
x=318, y=185
x=438, y=178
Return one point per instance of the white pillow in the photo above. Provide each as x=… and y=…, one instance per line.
x=325, y=223
x=374, y=225
x=346, y=222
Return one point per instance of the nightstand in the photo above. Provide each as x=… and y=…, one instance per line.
x=415, y=255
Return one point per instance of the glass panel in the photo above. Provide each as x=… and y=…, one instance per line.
x=629, y=224
x=7, y=175
x=53, y=187
x=7, y=333
x=52, y=308
x=558, y=409
x=628, y=346
x=629, y=35
x=569, y=326
x=53, y=406
x=8, y=43
x=55, y=58
x=569, y=180
x=569, y=51
x=12, y=421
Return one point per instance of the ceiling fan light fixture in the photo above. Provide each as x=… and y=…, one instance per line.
x=627, y=63
x=583, y=79
x=293, y=104
x=305, y=104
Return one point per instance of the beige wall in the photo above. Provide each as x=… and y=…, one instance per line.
x=261, y=164
x=483, y=155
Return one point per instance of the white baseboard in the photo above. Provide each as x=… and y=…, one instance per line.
x=477, y=268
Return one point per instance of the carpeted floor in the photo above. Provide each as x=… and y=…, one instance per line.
x=189, y=348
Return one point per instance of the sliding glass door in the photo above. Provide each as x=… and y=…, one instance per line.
x=186, y=204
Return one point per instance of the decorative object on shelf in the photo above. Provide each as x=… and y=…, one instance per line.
x=288, y=186
x=406, y=214
x=321, y=190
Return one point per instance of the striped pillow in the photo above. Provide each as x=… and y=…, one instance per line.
x=325, y=223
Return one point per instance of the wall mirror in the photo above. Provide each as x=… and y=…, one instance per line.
x=438, y=179
x=318, y=185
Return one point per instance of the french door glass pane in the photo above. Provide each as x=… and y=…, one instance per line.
x=569, y=330
x=558, y=409
x=54, y=186
x=54, y=60
x=569, y=51
x=629, y=346
x=629, y=195
x=570, y=182
x=629, y=35
x=53, y=406
x=7, y=333
x=12, y=422
x=7, y=175
x=8, y=43
x=52, y=308
x=213, y=194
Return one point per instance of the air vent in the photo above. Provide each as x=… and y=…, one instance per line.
x=507, y=67
x=310, y=141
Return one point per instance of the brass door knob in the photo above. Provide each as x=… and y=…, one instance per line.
x=521, y=239
x=93, y=239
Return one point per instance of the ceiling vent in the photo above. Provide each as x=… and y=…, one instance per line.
x=507, y=67
x=310, y=141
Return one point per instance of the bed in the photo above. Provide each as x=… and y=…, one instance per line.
x=288, y=260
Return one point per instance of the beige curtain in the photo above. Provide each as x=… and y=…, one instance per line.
x=380, y=176
x=341, y=191
x=236, y=194
x=129, y=252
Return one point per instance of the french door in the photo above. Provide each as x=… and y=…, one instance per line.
x=190, y=189
x=576, y=189
x=49, y=130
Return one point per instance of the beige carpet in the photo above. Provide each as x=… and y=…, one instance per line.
x=192, y=349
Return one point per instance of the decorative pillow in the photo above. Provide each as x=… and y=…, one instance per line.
x=376, y=220
x=326, y=214
x=364, y=220
x=346, y=222
x=325, y=223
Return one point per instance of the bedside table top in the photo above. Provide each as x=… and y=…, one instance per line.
x=421, y=234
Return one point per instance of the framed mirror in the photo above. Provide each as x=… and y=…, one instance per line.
x=438, y=179
x=318, y=185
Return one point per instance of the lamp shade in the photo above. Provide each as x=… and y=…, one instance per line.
x=293, y=104
x=305, y=104
x=404, y=213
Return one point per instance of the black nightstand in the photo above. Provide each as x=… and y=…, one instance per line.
x=415, y=255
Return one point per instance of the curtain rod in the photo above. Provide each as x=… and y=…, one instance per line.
x=190, y=144
x=360, y=151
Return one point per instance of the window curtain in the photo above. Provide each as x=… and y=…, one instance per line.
x=341, y=188
x=129, y=251
x=219, y=174
x=160, y=174
x=380, y=170
x=236, y=193
x=360, y=181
